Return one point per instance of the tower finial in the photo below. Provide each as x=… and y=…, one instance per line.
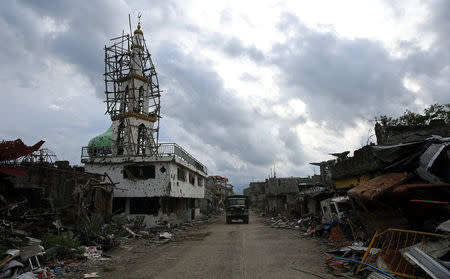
x=138, y=30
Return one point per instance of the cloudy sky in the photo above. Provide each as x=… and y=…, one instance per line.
x=247, y=84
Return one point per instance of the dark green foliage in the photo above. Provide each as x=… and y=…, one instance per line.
x=63, y=242
x=410, y=118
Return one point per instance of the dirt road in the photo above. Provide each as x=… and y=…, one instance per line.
x=218, y=250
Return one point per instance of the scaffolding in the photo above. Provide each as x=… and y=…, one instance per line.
x=119, y=70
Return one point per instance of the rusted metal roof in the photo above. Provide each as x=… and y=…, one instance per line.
x=378, y=185
x=11, y=150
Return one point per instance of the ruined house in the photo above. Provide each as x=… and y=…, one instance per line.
x=257, y=194
x=34, y=183
x=402, y=182
x=217, y=189
x=281, y=194
x=160, y=181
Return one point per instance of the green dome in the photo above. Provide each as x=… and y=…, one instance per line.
x=102, y=141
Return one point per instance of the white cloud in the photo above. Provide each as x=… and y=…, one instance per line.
x=49, y=25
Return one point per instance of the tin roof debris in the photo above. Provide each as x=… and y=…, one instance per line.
x=379, y=185
x=13, y=150
x=430, y=265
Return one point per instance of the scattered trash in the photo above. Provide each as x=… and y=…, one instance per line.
x=444, y=227
x=27, y=275
x=165, y=235
x=92, y=275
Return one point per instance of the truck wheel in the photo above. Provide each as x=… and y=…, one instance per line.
x=246, y=220
x=228, y=220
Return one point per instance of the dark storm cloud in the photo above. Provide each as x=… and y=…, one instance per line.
x=79, y=45
x=341, y=80
x=88, y=30
x=232, y=46
x=432, y=67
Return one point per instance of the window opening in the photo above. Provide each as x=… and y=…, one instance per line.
x=333, y=208
x=141, y=100
x=191, y=178
x=142, y=139
x=144, y=205
x=124, y=103
x=136, y=172
x=181, y=174
x=118, y=205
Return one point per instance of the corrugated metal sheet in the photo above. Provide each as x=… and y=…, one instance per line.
x=378, y=185
x=11, y=150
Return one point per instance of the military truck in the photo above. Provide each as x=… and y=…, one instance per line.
x=236, y=207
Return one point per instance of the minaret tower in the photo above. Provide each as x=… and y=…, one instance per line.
x=132, y=96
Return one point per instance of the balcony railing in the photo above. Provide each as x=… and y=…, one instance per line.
x=162, y=150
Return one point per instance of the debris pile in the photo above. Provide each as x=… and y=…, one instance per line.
x=55, y=220
x=394, y=252
x=58, y=251
x=380, y=210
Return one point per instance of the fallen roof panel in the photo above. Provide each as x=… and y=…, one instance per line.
x=427, y=263
x=11, y=150
x=378, y=185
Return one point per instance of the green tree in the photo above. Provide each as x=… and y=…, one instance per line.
x=410, y=118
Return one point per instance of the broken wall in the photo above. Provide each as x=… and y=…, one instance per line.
x=167, y=179
x=391, y=135
x=276, y=186
x=53, y=185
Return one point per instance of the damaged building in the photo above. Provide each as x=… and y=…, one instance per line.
x=160, y=181
x=217, y=189
x=280, y=195
x=257, y=194
x=402, y=182
x=35, y=188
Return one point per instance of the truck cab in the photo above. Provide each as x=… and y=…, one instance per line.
x=236, y=207
x=335, y=209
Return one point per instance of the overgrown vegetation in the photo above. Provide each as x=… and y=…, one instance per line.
x=410, y=118
x=90, y=227
x=63, y=242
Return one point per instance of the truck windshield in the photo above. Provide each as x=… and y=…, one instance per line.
x=344, y=206
x=237, y=201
